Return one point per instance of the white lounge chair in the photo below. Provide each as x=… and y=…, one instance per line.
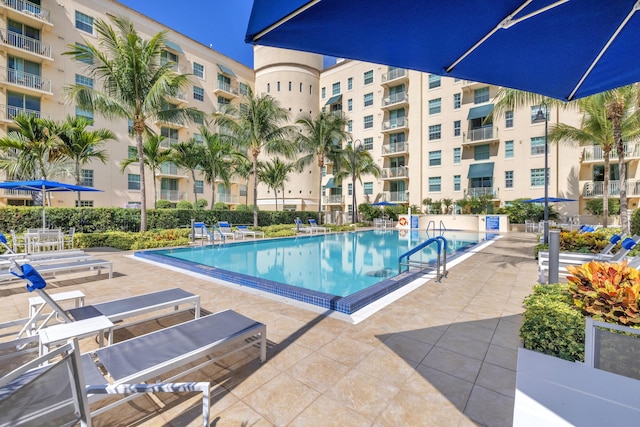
x=300, y=227
x=315, y=227
x=224, y=228
x=243, y=230
x=67, y=267
x=200, y=231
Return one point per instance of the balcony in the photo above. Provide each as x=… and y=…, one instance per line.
x=595, y=189
x=396, y=100
x=179, y=97
x=395, y=173
x=471, y=85
x=169, y=169
x=395, y=196
x=396, y=75
x=31, y=14
x=168, y=142
x=34, y=49
x=333, y=199
x=173, y=195
x=482, y=135
x=19, y=194
x=395, y=148
x=32, y=83
x=395, y=124
x=8, y=112
x=225, y=88
x=596, y=154
x=229, y=199
x=482, y=191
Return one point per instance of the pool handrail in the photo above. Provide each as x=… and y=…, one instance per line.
x=408, y=263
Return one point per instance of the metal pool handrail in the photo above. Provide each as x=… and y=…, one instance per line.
x=404, y=260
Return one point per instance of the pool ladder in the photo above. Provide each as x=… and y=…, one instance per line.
x=404, y=260
x=433, y=223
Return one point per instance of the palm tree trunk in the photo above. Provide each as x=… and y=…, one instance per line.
x=155, y=188
x=195, y=194
x=275, y=196
x=213, y=195
x=624, y=219
x=605, y=190
x=255, y=191
x=143, y=188
x=320, y=197
x=78, y=180
x=354, y=208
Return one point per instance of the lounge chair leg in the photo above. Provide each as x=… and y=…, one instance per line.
x=263, y=345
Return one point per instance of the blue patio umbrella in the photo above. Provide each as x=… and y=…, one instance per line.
x=43, y=186
x=549, y=199
x=384, y=203
x=558, y=48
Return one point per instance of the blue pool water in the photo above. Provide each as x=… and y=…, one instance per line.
x=330, y=267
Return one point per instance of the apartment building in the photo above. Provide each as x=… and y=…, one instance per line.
x=431, y=136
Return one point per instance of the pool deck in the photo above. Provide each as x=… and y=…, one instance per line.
x=443, y=355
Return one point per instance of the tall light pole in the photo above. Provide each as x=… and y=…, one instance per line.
x=540, y=116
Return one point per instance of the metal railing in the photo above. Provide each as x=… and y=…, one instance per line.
x=166, y=142
x=595, y=153
x=396, y=73
x=596, y=188
x=12, y=192
x=481, y=134
x=482, y=191
x=28, y=8
x=404, y=260
x=395, y=98
x=332, y=199
x=227, y=198
x=25, y=79
x=226, y=87
x=9, y=112
x=398, y=147
x=173, y=195
x=395, y=196
x=397, y=172
x=395, y=124
x=180, y=95
x=168, y=169
x=25, y=43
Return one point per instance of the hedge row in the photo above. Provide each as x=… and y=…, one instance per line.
x=90, y=220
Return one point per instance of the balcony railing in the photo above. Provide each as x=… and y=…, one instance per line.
x=226, y=87
x=22, y=193
x=9, y=112
x=395, y=148
x=25, y=43
x=397, y=172
x=25, y=79
x=167, y=142
x=395, y=99
x=173, y=195
x=395, y=123
x=180, y=95
x=596, y=188
x=481, y=134
x=482, y=191
x=595, y=153
x=168, y=169
x=29, y=8
x=396, y=73
x=333, y=199
x=395, y=196
x=228, y=198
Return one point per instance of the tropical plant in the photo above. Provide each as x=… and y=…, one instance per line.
x=355, y=162
x=190, y=156
x=154, y=156
x=274, y=174
x=448, y=203
x=81, y=146
x=321, y=139
x=244, y=169
x=135, y=83
x=596, y=206
x=257, y=126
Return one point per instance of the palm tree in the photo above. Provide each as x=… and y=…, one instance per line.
x=257, y=126
x=81, y=146
x=321, y=139
x=153, y=157
x=274, y=174
x=189, y=155
x=355, y=162
x=244, y=169
x=135, y=83
x=218, y=159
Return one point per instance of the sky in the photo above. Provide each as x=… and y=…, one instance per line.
x=219, y=23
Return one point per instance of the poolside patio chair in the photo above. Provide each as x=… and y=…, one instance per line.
x=53, y=390
x=314, y=225
x=300, y=227
x=243, y=230
x=224, y=228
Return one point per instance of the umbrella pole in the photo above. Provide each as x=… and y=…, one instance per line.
x=43, y=203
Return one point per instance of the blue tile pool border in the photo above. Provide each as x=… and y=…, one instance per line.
x=348, y=305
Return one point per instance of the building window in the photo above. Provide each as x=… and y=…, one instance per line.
x=508, y=119
x=457, y=155
x=84, y=204
x=435, y=184
x=324, y=171
x=167, y=57
x=86, y=177
x=350, y=83
x=457, y=101
x=350, y=126
x=244, y=89
x=87, y=58
x=349, y=189
x=243, y=191
x=84, y=22
x=368, y=99
x=335, y=88
x=198, y=138
x=133, y=181
x=81, y=112
x=456, y=182
x=199, y=186
x=323, y=92
x=368, y=122
x=434, y=81
x=349, y=104
x=435, y=132
x=84, y=81
x=537, y=177
x=456, y=128
x=534, y=112
x=198, y=70
x=537, y=145
x=508, y=149
x=435, y=106
x=481, y=95
x=198, y=93
x=132, y=152
x=170, y=134
x=481, y=152
x=435, y=158
x=368, y=77
x=508, y=179
x=368, y=188
x=368, y=144
x=198, y=117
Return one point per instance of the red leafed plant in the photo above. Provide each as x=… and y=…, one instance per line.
x=609, y=292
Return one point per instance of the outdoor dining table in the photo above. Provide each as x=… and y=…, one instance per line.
x=38, y=239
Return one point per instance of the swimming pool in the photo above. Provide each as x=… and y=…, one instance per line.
x=338, y=271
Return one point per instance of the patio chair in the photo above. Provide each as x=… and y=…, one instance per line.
x=224, y=228
x=53, y=390
x=300, y=227
x=66, y=267
x=314, y=225
x=200, y=231
x=243, y=230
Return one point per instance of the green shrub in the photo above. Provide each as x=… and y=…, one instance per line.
x=595, y=206
x=202, y=203
x=220, y=206
x=184, y=204
x=133, y=240
x=163, y=204
x=635, y=222
x=551, y=325
x=242, y=208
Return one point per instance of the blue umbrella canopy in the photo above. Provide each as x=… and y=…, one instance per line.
x=384, y=203
x=44, y=186
x=549, y=199
x=558, y=48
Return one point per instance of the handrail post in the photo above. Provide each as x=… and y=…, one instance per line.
x=193, y=230
x=438, y=275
